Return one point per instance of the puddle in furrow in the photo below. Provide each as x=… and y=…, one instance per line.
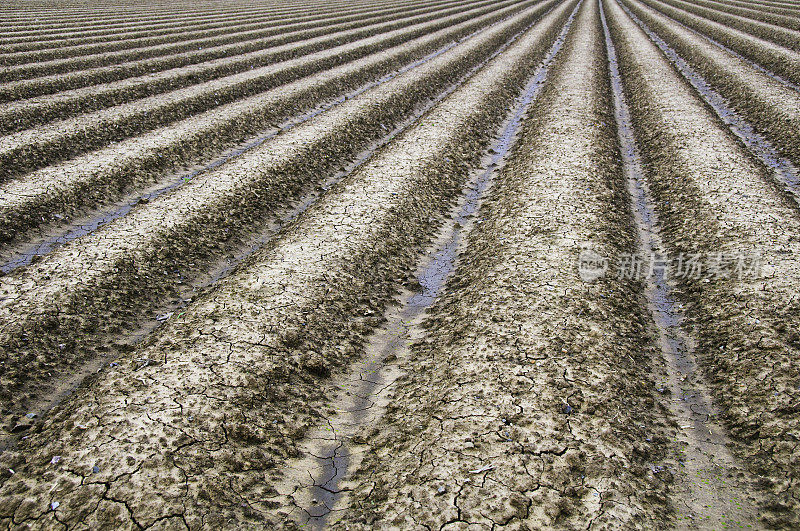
x=227, y=265
x=711, y=489
x=315, y=482
x=782, y=169
x=84, y=227
x=783, y=81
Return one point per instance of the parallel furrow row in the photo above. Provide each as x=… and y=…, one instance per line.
x=402, y=264
x=761, y=15
x=60, y=192
x=340, y=261
x=61, y=20
x=244, y=28
x=766, y=4
x=226, y=59
x=268, y=36
x=23, y=114
x=32, y=149
x=778, y=59
x=770, y=32
x=531, y=400
x=128, y=263
x=772, y=108
x=778, y=8
x=713, y=198
x=790, y=7
x=127, y=31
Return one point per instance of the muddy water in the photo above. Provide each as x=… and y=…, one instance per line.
x=781, y=168
x=92, y=223
x=317, y=484
x=711, y=490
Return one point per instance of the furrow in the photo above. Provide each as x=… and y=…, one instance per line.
x=785, y=82
x=253, y=53
x=716, y=205
x=711, y=486
x=123, y=268
x=171, y=29
x=791, y=11
x=745, y=97
x=247, y=28
x=60, y=193
x=782, y=61
x=531, y=402
x=274, y=35
x=295, y=309
x=82, y=36
x=66, y=23
x=123, y=29
x=315, y=488
x=43, y=20
x=769, y=32
x=23, y=114
x=36, y=148
x=761, y=15
x=768, y=4
x=61, y=21
x=42, y=51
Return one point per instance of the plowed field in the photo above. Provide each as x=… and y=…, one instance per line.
x=407, y=264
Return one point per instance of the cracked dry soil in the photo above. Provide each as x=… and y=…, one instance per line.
x=393, y=331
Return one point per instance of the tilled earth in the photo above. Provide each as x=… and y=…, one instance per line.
x=404, y=264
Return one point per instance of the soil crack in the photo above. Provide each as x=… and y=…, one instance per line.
x=711, y=485
x=366, y=389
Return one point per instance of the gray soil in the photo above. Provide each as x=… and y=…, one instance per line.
x=712, y=488
x=360, y=265
x=712, y=197
x=146, y=442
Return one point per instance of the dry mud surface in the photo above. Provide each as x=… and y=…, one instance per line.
x=406, y=264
